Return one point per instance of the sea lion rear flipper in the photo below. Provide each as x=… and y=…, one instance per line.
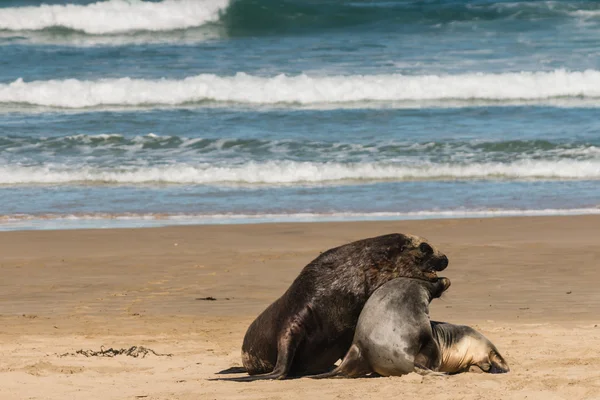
x=353, y=365
x=250, y=378
x=421, y=370
x=232, y=370
x=288, y=342
x=335, y=373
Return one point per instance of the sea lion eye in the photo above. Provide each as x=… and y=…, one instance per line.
x=425, y=248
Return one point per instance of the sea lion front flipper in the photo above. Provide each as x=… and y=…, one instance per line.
x=429, y=356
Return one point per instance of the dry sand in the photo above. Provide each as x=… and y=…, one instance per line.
x=529, y=284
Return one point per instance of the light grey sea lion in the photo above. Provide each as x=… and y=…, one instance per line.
x=394, y=336
x=311, y=326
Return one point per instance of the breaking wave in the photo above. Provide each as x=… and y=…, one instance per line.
x=251, y=17
x=306, y=90
x=114, y=16
x=293, y=172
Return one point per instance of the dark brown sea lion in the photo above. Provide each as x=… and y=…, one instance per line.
x=312, y=325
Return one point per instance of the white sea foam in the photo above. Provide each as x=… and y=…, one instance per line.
x=586, y=13
x=107, y=220
x=290, y=173
x=303, y=89
x=458, y=213
x=114, y=16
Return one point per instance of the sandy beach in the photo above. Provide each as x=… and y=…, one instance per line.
x=529, y=284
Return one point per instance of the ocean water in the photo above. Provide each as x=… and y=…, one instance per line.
x=145, y=113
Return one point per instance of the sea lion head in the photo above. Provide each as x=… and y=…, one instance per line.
x=419, y=259
x=439, y=287
x=462, y=347
x=496, y=365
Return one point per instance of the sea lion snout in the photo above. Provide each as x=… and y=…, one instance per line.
x=439, y=287
x=436, y=260
x=431, y=260
x=441, y=263
x=497, y=370
x=436, y=263
x=445, y=282
x=498, y=364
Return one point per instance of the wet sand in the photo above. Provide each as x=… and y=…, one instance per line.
x=529, y=284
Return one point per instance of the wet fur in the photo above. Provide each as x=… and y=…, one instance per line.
x=311, y=326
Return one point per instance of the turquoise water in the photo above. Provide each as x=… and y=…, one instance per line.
x=138, y=113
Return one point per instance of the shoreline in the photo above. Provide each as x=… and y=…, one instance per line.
x=58, y=222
